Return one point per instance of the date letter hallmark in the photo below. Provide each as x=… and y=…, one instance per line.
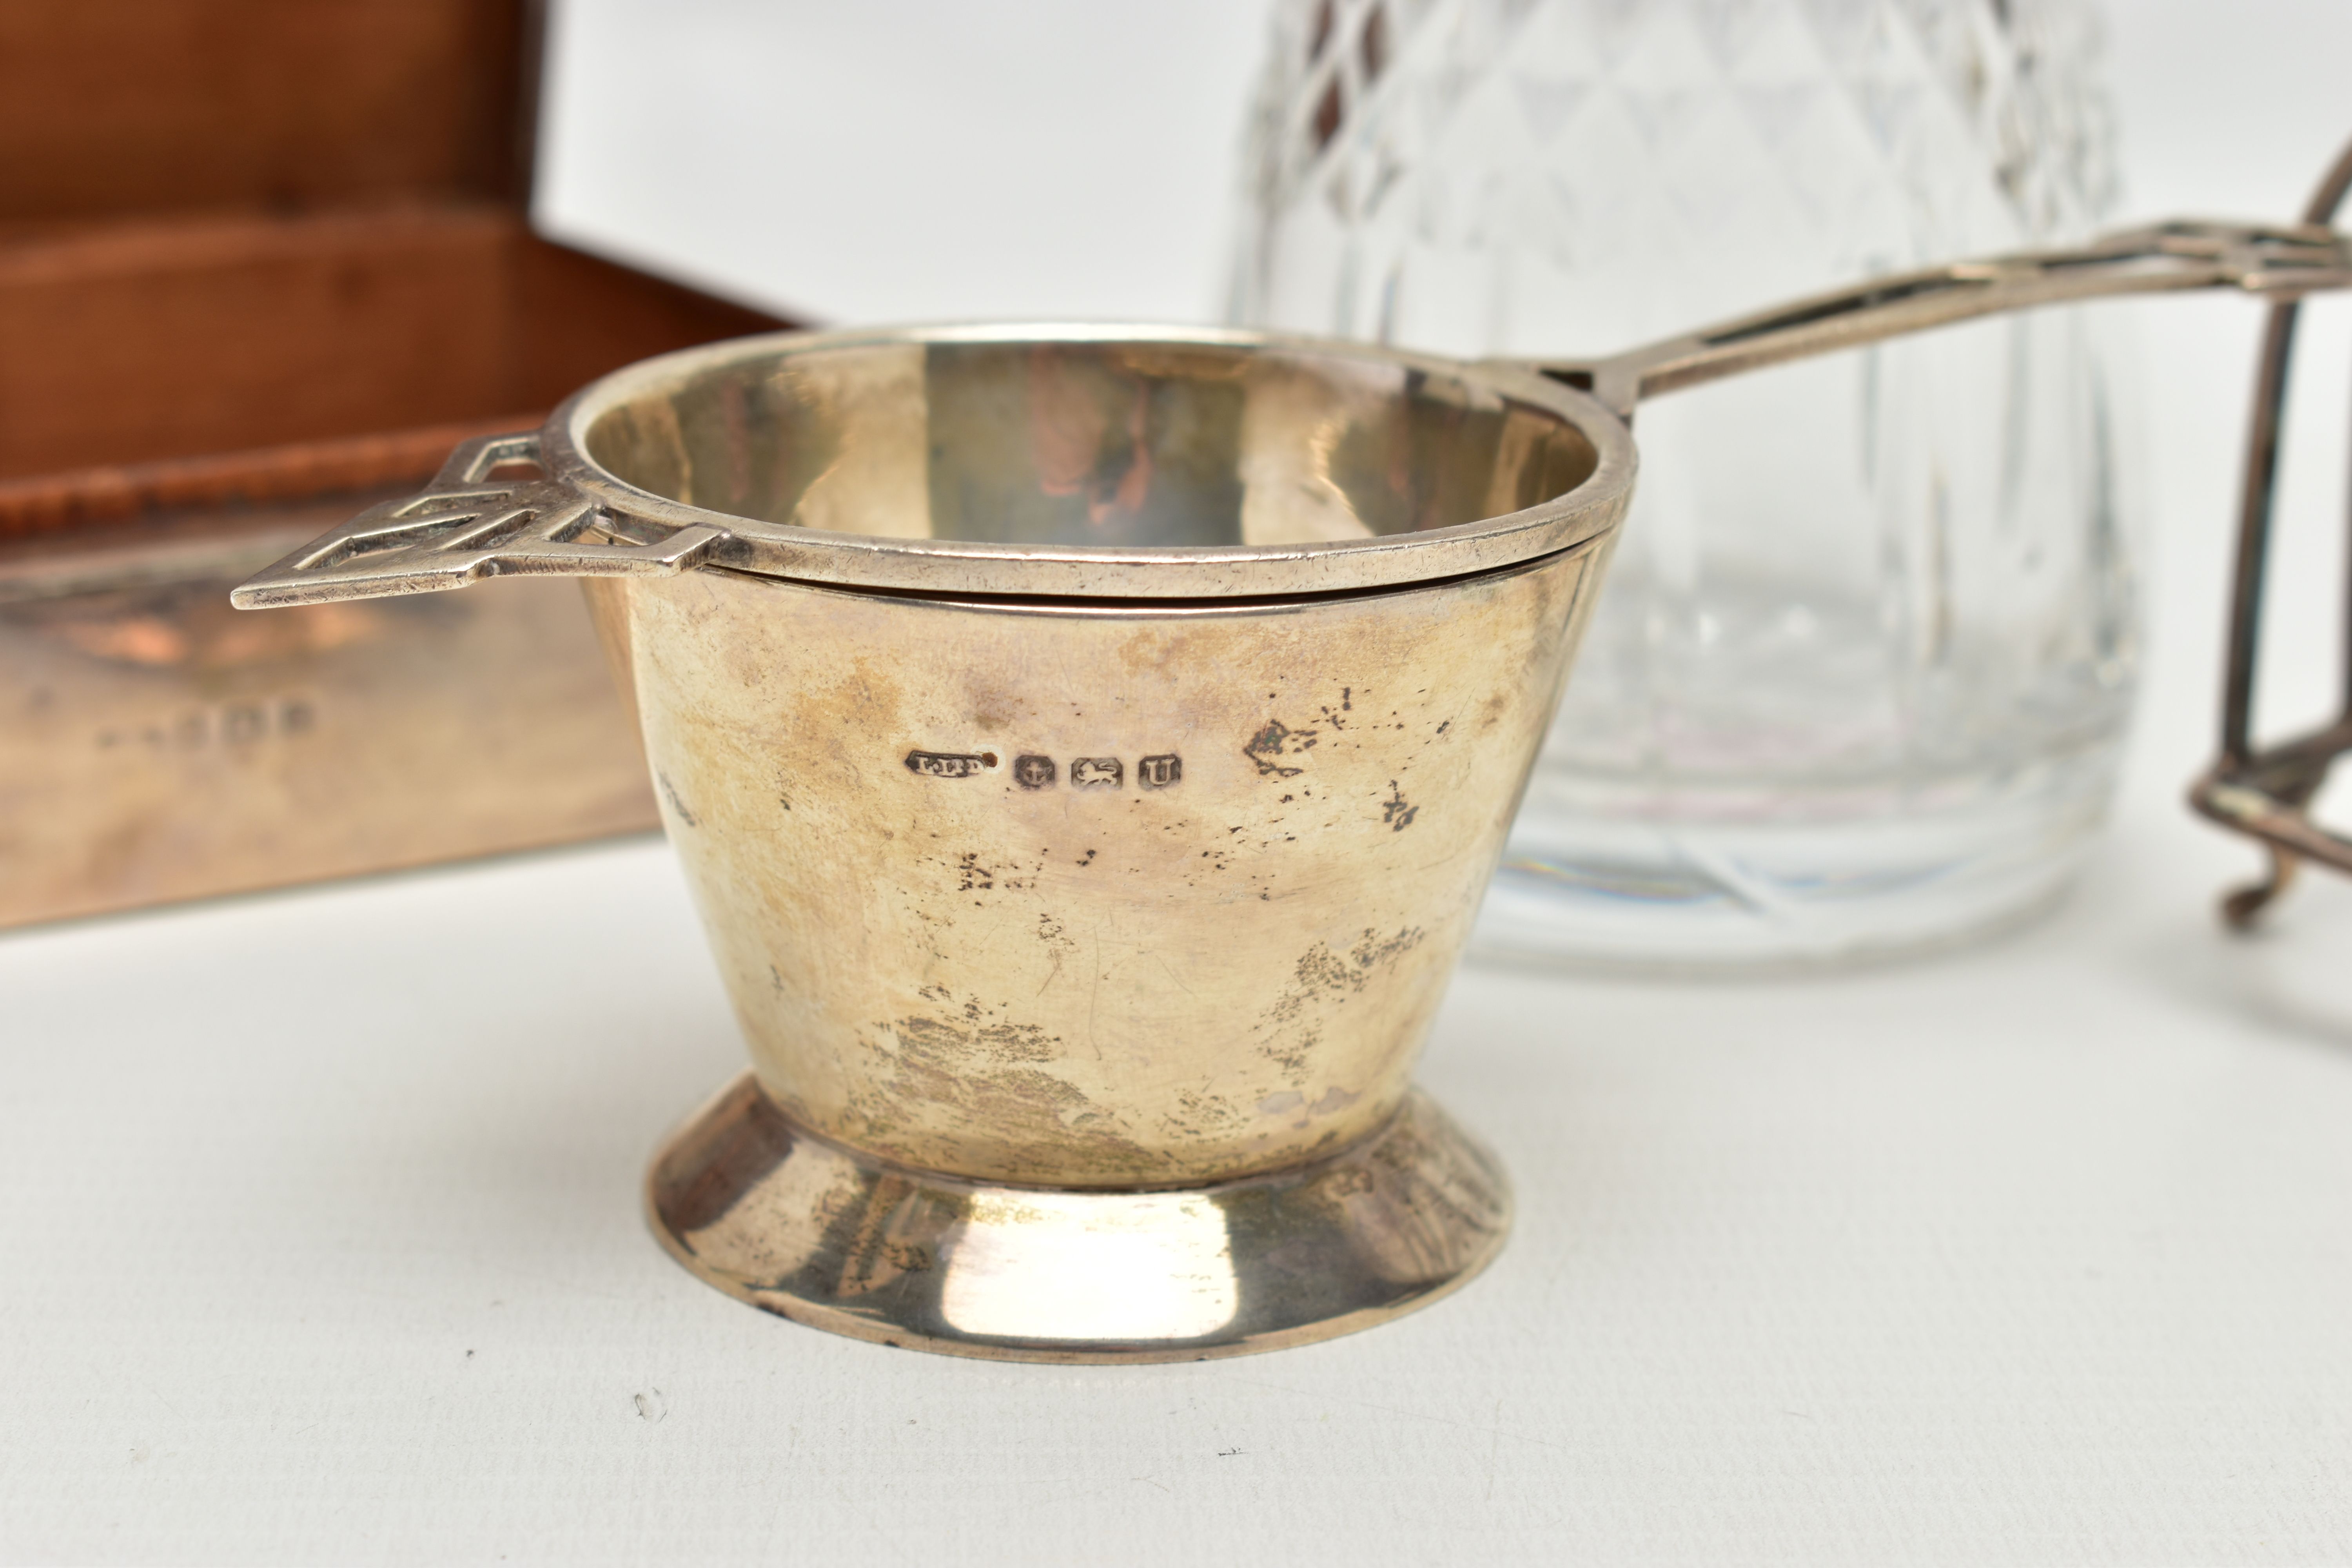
x=1160, y=772
x=1033, y=772
x=950, y=764
x=1096, y=772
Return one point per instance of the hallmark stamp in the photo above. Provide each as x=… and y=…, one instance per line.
x=1034, y=771
x=240, y=725
x=949, y=764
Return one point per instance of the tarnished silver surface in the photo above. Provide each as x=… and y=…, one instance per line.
x=824, y=1235
x=1086, y=462
x=2266, y=790
x=1091, y=896
x=1087, y=747
x=157, y=745
x=1001, y=459
x=2278, y=263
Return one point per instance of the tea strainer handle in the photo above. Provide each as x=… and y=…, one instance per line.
x=476, y=519
x=2284, y=262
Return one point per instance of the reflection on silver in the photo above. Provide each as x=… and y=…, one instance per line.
x=1319, y=597
x=1067, y=1266
x=825, y=1235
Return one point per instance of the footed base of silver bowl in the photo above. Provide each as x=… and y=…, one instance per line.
x=825, y=1235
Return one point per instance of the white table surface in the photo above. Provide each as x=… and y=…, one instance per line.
x=320, y=1239
x=320, y=1243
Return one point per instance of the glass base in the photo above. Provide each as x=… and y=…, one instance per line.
x=1582, y=889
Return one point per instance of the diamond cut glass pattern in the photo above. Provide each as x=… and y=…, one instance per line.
x=1859, y=679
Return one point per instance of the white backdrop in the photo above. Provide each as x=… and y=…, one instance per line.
x=319, y=1238
x=904, y=160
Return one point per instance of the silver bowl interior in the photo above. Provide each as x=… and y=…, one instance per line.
x=1113, y=442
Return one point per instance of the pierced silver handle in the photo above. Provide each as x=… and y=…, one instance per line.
x=467, y=525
